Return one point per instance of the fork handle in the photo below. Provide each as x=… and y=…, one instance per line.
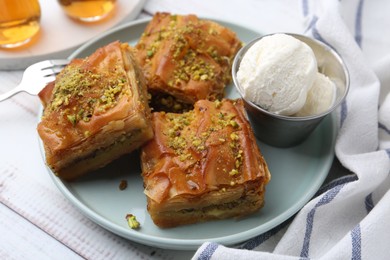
x=10, y=93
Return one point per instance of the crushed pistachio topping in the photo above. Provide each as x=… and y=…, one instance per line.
x=72, y=119
x=234, y=136
x=239, y=158
x=132, y=221
x=78, y=92
x=198, y=70
x=176, y=141
x=217, y=103
x=183, y=140
x=233, y=172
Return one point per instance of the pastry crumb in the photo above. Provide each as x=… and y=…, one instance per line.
x=123, y=185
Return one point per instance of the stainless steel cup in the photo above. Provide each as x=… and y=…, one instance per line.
x=287, y=131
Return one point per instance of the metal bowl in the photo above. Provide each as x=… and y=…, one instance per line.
x=286, y=131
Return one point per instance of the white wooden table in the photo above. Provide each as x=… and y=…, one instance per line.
x=36, y=222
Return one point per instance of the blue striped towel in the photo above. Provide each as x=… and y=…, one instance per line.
x=350, y=217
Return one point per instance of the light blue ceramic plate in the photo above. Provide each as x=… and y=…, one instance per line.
x=297, y=173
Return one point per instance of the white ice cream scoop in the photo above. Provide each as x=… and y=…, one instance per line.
x=320, y=97
x=277, y=72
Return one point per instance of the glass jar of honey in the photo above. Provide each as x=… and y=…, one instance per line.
x=19, y=22
x=87, y=10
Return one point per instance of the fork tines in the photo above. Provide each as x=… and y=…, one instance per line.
x=52, y=67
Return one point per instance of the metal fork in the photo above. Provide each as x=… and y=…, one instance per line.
x=36, y=76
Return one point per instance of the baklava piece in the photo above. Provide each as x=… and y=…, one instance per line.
x=203, y=165
x=185, y=59
x=95, y=111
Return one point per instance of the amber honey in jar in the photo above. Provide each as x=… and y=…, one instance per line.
x=19, y=22
x=87, y=10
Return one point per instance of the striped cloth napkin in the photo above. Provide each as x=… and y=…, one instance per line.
x=349, y=219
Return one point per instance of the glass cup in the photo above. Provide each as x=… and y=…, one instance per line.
x=87, y=10
x=19, y=22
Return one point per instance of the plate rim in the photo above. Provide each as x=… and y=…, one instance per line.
x=190, y=244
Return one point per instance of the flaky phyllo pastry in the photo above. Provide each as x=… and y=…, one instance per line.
x=185, y=59
x=94, y=112
x=202, y=165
